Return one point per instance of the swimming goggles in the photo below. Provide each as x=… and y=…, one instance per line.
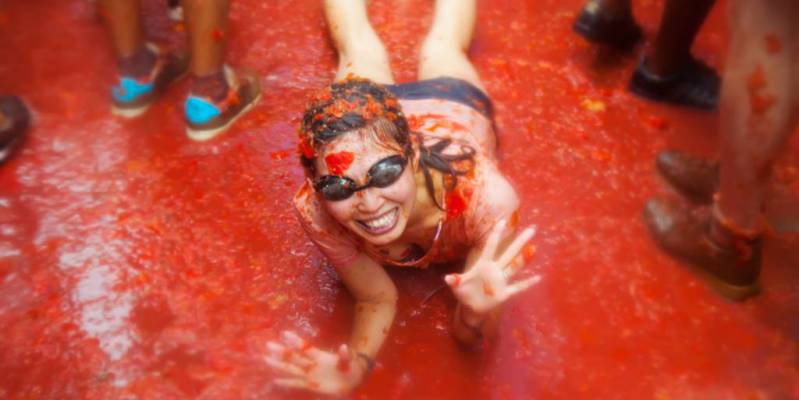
x=382, y=174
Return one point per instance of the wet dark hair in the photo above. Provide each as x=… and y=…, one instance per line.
x=358, y=104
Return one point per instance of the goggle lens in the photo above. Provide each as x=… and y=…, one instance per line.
x=383, y=174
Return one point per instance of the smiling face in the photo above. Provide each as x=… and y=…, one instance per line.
x=378, y=215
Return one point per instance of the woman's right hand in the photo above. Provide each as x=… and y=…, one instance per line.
x=307, y=367
x=487, y=284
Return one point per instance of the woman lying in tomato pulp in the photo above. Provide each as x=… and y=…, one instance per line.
x=402, y=175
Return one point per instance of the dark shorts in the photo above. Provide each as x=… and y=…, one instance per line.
x=444, y=88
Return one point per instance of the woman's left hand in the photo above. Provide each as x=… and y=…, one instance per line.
x=486, y=285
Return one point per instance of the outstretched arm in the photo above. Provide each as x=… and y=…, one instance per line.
x=338, y=372
x=486, y=282
x=375, y=304
x=497, y=256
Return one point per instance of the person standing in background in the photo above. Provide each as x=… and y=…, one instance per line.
x=218, y=95
x=758, y=114
x=670, y=73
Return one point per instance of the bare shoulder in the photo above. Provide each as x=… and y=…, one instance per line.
x=340, y=248
x=494, y=200
x=498, y=194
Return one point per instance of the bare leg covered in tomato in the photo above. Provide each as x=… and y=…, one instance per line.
x=757, y=117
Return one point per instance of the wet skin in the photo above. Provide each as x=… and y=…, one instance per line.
x=377, y=215
x=136, y=263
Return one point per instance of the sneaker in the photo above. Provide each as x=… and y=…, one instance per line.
x=206, y=119
x=14, y=120
x=597, y=26
x=729, y=263
x=132, y=96
x=693, y=177
x=695, y=85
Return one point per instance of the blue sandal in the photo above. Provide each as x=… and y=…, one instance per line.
x=132, y=96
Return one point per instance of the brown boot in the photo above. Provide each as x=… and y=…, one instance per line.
x=693, y=177
x=730, y=263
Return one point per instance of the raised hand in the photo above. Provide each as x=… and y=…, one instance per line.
x=307, y=367
x=486, y=285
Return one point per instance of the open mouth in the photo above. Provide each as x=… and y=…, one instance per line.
x=382, y=223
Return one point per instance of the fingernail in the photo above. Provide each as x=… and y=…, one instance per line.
x=453, y=280
x=528, y=252
x=273, y=346
x=344, y=351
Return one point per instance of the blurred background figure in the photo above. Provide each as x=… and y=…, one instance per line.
x=217, y=95
x=14, y=120
x=670, y=73
x=758, y=114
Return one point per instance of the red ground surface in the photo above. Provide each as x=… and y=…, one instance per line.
x=135, y=263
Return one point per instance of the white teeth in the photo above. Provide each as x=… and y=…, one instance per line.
x=381, y=222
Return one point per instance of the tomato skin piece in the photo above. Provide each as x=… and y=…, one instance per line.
x=759, y=102
x=217, y=34
x=339, y=163
x=773, y=44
